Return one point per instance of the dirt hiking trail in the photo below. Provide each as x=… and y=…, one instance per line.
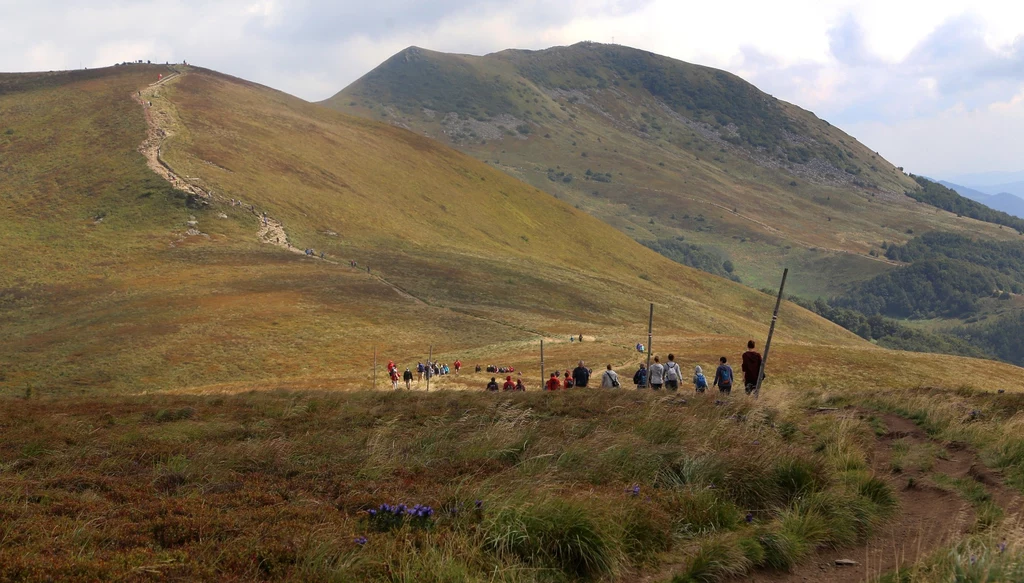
x=929, y=516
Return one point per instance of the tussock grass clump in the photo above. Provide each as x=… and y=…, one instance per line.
x=559, y=534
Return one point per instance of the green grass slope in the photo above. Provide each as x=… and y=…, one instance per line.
x=667, y=152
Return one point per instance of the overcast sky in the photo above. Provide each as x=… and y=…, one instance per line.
x=936, y=86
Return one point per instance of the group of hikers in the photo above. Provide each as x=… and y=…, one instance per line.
x=667, y=375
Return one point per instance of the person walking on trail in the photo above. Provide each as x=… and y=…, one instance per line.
x=723, y=377
x=394, y=379
x=419, y=371
x=572, y=339
x=672, y=374
x=610, y=379
x=656, y=374
x=391, y=366
x=580, y=338
x=581, y=374
x=751, y=368
x=407, y=377
x=700, y=382
x=553, y=384
x=458, y=366
x=640, y=376
x=509, y=385
x=493, y=385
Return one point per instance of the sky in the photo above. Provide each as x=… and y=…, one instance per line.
x=936, y=86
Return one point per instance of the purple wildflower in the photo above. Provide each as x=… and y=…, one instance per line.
x=750, y=517
x=360, y=540
x=479, y=504
x=757, y=442
x=1002, y=547
x=372, y=512
x=974, y=559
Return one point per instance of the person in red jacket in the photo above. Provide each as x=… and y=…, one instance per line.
x=509, y=385
x=568, y=380
x=751, y=367
x=458, y=366
x=553, y=384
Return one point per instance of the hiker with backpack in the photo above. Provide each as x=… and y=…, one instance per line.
x=672, y=374
x=553, y=384
x=394, y=378
x=419, y=371
x=640, y=376
x=723, y=377
x=700, y=382
x=407, y=377
x=568, y=381
x=580, y=374
x=493, y=385
x=751, y=368
x=509, y=385
x=610, y=379
x=519, y=384
x=656, y=374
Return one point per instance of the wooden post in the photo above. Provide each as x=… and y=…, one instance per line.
x=430, y=369
x=375, y=368
x=542, y=379
x=771, y=332
x=650, y=337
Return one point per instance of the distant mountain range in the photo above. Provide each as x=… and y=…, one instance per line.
x=1005, y=199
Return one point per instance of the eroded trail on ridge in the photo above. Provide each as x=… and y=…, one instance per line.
x=929, y=516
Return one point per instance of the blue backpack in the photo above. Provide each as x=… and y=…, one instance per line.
x=701, y=382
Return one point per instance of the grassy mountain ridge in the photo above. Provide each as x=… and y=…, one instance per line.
x=117, y=284
x=662, y=149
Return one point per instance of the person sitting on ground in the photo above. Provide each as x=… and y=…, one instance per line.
x=610, y=379
x=700, y=382
x=493, y=385
x=407, y=376
x=509, y=385
x=553, y=384
x=519, y=384
x=751, y=368
x=672, y=373
x=568, y=380
x=640, y=376
x=723, y=377
x=580, y=375
x=656, y=375
x=478, y=368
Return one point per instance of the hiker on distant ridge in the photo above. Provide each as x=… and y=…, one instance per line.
x=723, y=377
x=656, y=375
x=610, y=379
x=407, y=377
x=751, y=367
x=581, y=338
x=672, y=374
x=580, y=374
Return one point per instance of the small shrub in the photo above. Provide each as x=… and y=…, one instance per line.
x=716, y=560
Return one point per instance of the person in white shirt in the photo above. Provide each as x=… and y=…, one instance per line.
x=610, y=379
x=657, y=374
x=672, y=374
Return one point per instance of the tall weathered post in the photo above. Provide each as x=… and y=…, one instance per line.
x=771, y=332
x=542, y=379
x=375, y=368
x=650, y=338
